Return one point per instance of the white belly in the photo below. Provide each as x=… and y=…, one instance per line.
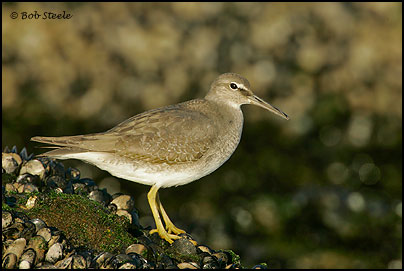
x=158, y=175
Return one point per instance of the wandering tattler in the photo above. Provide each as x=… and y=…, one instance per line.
x=168, y=146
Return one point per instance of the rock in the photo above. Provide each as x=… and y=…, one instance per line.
x=125, y=214
x=33, y=167
x=27, y=259
x=55, y=253
x=39, y=224
x=39, y=245
x=65, y=263
x=205, y=249
x=136, y=248
x=190, y=265
x=6, y=219
x=101, y=259
x=209, y=262
x=124, y=202
x=29, y=230
x=101, y=196
x=45, y=233
x=14, y=231
x=10, y=162
x=78, y=262
x=9, y=261
x=31, y=202
x=15, y=251
x=128, y=266
x=183, y=246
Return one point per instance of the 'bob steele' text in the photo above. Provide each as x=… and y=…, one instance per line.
x=46, y=15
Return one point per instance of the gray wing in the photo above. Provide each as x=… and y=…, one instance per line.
x=172, y=134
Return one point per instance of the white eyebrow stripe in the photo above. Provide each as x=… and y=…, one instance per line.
x=240, y=85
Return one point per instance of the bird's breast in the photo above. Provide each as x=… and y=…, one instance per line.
x=230, y=128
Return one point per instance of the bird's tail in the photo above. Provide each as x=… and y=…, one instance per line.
x=67, y=141
x=64, y=146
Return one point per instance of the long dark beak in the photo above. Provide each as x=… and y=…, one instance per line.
x=261, y=103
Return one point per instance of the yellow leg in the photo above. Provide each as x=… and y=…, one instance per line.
x=151, y=196
x=170, y=227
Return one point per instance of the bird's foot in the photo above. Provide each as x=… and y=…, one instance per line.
x=169, y=237
x=171, y=228
x=165, y=235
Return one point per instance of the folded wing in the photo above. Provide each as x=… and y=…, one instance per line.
x=173, y=134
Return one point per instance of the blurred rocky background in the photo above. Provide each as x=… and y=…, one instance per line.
x=323, y=190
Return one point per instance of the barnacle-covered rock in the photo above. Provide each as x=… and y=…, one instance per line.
x=44, y=201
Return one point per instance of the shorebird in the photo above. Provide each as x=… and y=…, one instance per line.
x=169, y=146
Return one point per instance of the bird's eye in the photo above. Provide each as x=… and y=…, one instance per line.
x=233, y=86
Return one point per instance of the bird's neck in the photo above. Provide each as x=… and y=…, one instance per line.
x=229, y=122
x=222, y=101
x=229, y=113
